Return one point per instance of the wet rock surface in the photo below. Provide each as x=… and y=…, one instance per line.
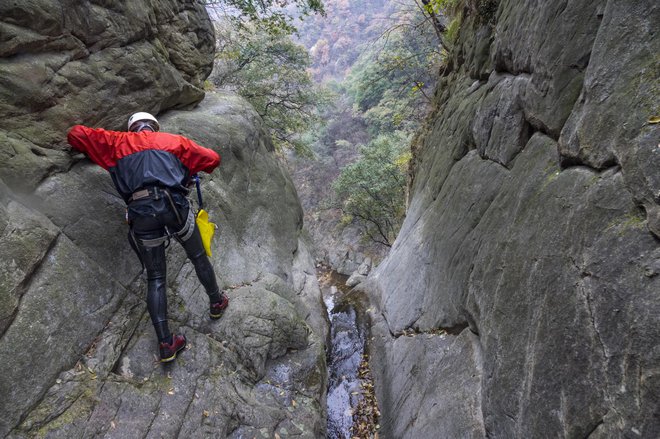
x=351, y=404
x=531, y=236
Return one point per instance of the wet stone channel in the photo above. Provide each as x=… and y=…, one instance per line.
x=352, y=411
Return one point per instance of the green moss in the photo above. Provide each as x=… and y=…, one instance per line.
x=634, y=221
x=78, y=411
x=552, y=176
x=628, y=222
x=451, y=34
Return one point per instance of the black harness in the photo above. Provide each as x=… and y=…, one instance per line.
x=181, y=235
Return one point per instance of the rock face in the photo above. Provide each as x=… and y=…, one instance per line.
x=64, y=62
x=76, y=342
x=521, y=296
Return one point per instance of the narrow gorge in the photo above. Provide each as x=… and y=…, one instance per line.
x=520, y=298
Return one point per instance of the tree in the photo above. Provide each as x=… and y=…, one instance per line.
x=271, y=14
x=391, y=81
x=371, y=191
x=270, y=71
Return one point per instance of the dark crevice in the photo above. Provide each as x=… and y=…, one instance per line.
x=593, y=430
x=456, y=329
x=38, y=152
x=501, y=67
x=581, y=64
x=526, y=133
x=117, y=365
x=472, y=325
x=566, y=162
x=563, y=8
x=537, y=126
x=392, y=334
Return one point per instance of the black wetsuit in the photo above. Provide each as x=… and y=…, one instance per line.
x=153, y=218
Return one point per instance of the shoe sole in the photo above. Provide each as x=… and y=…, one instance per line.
x=173, y=357
x=222, y=311
x=217, y=316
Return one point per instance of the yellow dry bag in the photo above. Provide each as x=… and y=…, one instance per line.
x=206, y=229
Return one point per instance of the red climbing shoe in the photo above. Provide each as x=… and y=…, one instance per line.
x=216, y=309
x=168, y=351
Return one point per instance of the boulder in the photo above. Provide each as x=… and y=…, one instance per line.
x=78, y=347
x=365, y=267
x=94, y=63
x=355, y=279
x=360, y=274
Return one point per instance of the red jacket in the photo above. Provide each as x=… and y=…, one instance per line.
x=139, y=160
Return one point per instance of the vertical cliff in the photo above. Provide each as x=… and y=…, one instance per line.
x=521, y=296
x=76, y=343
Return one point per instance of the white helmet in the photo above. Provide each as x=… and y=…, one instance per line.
x=139, y=117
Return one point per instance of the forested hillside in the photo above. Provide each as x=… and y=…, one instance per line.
x=379, y=59
x=336, y=40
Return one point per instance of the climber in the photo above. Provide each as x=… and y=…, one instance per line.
x=151, y=171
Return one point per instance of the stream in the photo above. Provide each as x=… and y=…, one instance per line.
x=350, y=400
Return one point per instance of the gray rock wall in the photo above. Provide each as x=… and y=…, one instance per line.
x=533, y=228
x=76, y=343
x=65, y=62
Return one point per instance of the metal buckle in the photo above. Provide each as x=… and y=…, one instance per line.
x=137, y=195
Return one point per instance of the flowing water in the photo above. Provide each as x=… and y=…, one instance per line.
x=345, y=354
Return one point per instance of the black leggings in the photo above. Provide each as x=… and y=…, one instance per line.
x=150, y=227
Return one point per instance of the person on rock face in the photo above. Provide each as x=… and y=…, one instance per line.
x=151, y=171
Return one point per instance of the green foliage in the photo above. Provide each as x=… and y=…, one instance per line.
x=391, y=82
x=268, y=69
x=484, y=10
x=443, y=6
x=208, y=85
x=371, y=191
x=388, y=90
x=267, y=14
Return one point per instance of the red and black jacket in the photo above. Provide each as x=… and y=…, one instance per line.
x=140, y=160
